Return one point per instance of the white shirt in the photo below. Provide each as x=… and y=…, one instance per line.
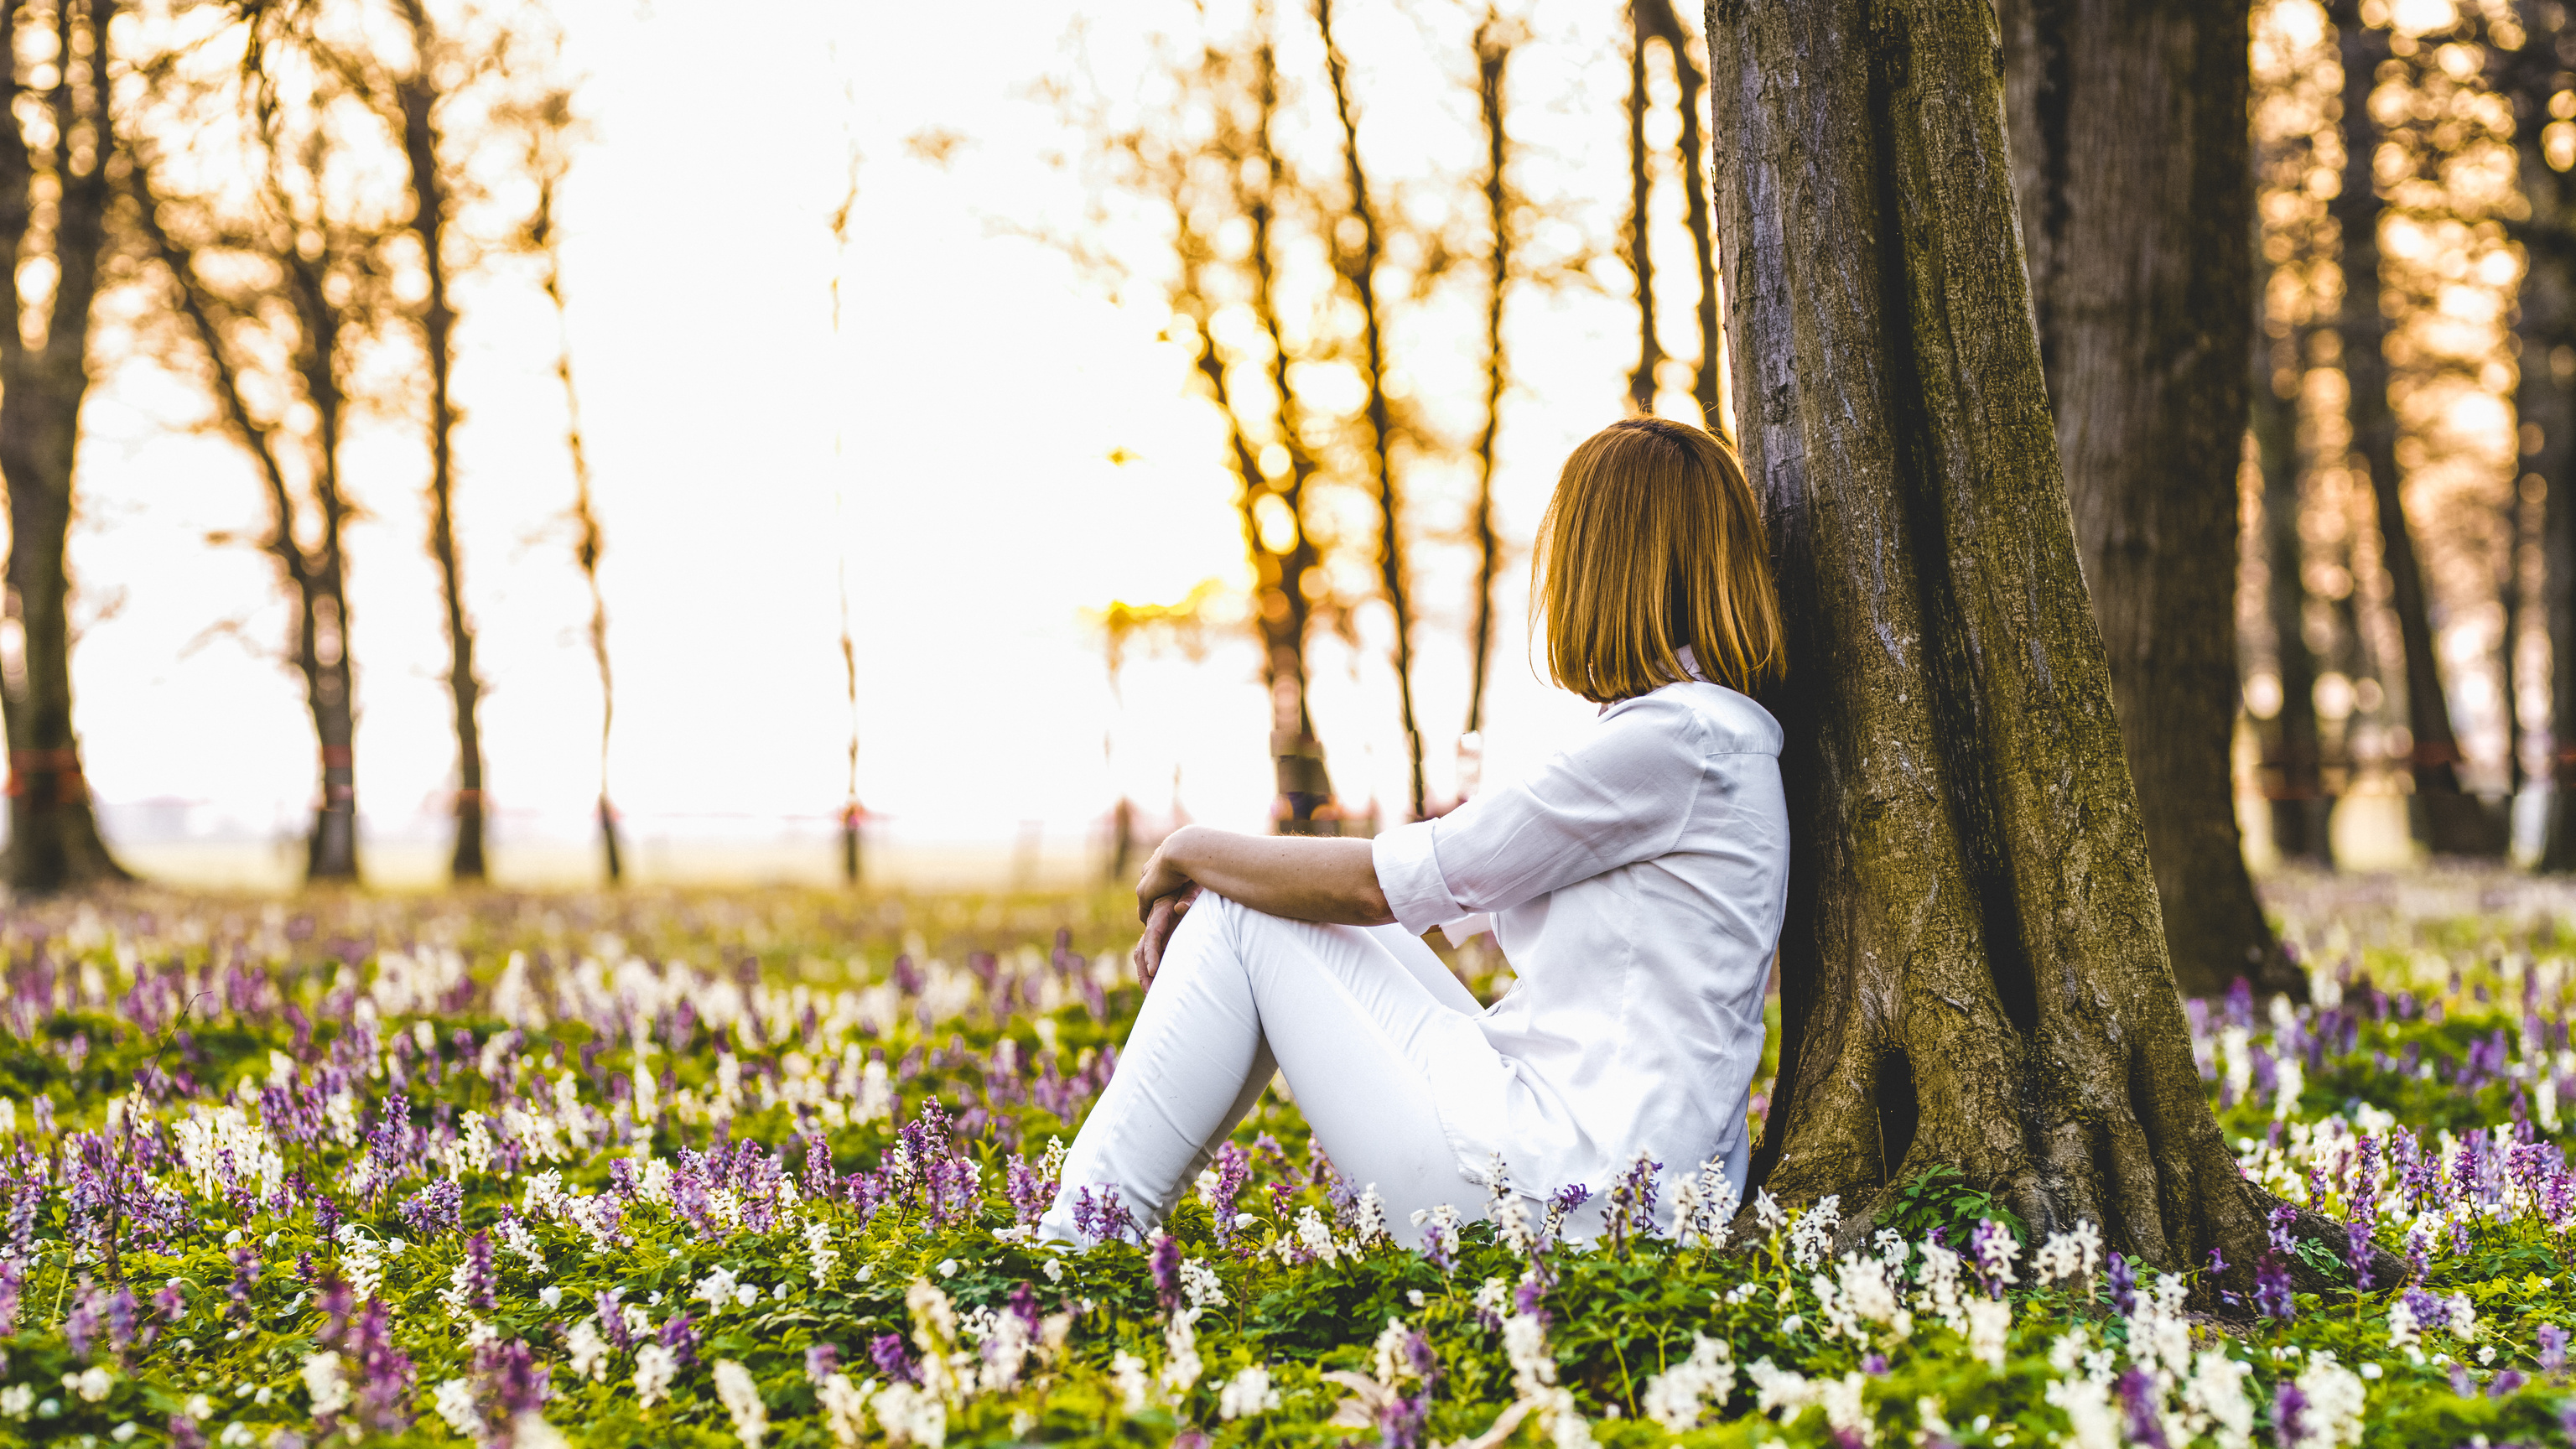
x=1636, y=883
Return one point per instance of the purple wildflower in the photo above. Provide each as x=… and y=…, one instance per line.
x=2123, y=1281
x=893, y=1359
x=2357, y=1250
x=246, y=1266
x=2553, y=1348
x=2289, y=1413
x=481, y=1285
x=822, y=1361
x=613, y=1322
x=2138, y=1398
x=2505, y=1382
x=1103, y=1218
x=680, y=1336
x=80, y=1326
x=435, y=1209
x=1166, y=1264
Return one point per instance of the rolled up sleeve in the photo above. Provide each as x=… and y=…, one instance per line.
x=1625, y=794
x=1408, y=874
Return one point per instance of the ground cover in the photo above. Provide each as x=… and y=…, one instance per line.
x=757, y=1168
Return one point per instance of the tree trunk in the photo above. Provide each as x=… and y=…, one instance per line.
x=1493, y=61
x=1973, y=970
x=1358, y=265
x=416, y=95
x=1641, y=192
x=1666, y=24
x=2545, y=396
x=2293, y=771
x=53, y=832
x=2135, y=190
x=2449, y=822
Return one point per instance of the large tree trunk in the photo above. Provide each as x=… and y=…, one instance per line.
x=1358, y=265
x=1973, y=971
x=53, y=832
x=2135, y=190
x=2450, y=822
x=416, y=95
x=2293, y=770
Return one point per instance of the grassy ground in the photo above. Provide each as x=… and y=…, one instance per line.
x=756, y=1167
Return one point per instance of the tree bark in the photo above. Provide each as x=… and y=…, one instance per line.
x=2293, y=770
x=53, y=831
x=1493, y=62
x=2450, y=822
x=2135, y=189
x=1973, y=970
x=416, y=96
x=1358, y=265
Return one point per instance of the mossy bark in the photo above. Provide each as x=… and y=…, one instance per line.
x=1973, y=971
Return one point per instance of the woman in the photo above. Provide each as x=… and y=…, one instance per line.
x=1635, y=883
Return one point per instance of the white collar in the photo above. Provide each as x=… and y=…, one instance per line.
x=1690, y=663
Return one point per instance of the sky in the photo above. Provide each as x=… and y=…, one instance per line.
x=991, y=444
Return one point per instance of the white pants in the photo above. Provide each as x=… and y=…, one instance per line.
x=1348, y=1014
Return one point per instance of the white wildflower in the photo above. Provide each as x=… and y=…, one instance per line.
x=843, y=1403
x=1127, y=1375
x=471, y=1152
x=819, y=1252
x=323, y=1385
x=1845, y=1413
x=1199, y=1284
x=1181, y=1366
x=717, y=1288
x=2335, y=1403
x=1317, y=1238
x=455, y=1403
x=1369, y=1228
x=588, y=1351
x=741, y=1398
x=1811, y=1237
x=912, y=1415
x=654, y=1367
x=516, y=1237
x=1512, y=1226
x=2215, y=1404
x=1677, y=1397
x=2095, y=1421
x=1988, y=1320
x=18, y=1400
x=1775, y=1389
x=1246, y=1394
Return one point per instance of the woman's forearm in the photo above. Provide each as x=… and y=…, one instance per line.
x=1301, y=878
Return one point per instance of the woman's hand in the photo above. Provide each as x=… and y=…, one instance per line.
x=1161, y=919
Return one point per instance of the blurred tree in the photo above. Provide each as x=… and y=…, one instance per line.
x=1358, y=238
x=1125, y=627
x=2135, y=191
x=1664, y=24
x=56, y=192
x=1495, y=40
x=1639, y=225
x=274, y=289
x=2292, y=768
x=548, y=126
x=413, y=90
x=2533, y=78
x=2450, y=821
x=1972, y=972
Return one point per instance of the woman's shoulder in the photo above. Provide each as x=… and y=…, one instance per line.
x=1720, y=720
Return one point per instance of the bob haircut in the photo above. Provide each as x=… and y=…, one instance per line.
x=1653, y=543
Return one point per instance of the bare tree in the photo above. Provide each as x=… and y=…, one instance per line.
x=2452, y=822
x=1495, y=39
x=56, y=191
x=1641, y=193
x=1358, y=260
x=548, y=125
x=320, y=268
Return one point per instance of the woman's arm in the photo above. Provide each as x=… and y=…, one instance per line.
x=1302, y=878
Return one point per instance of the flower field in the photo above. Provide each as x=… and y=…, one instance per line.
x=758, y=1169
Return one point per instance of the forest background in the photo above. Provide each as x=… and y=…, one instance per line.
x=965, y=294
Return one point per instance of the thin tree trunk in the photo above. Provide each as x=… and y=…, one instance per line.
x=1662, y=20
x=1493, y=61
x=2293, y=771
x=416, y=95
x=1641, y=191
x=1359, y=267
x=2450, y=822
x=2135, y=192
x=53, y=832
x=1973, y=969
x=587, y=545
x=316, y=578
